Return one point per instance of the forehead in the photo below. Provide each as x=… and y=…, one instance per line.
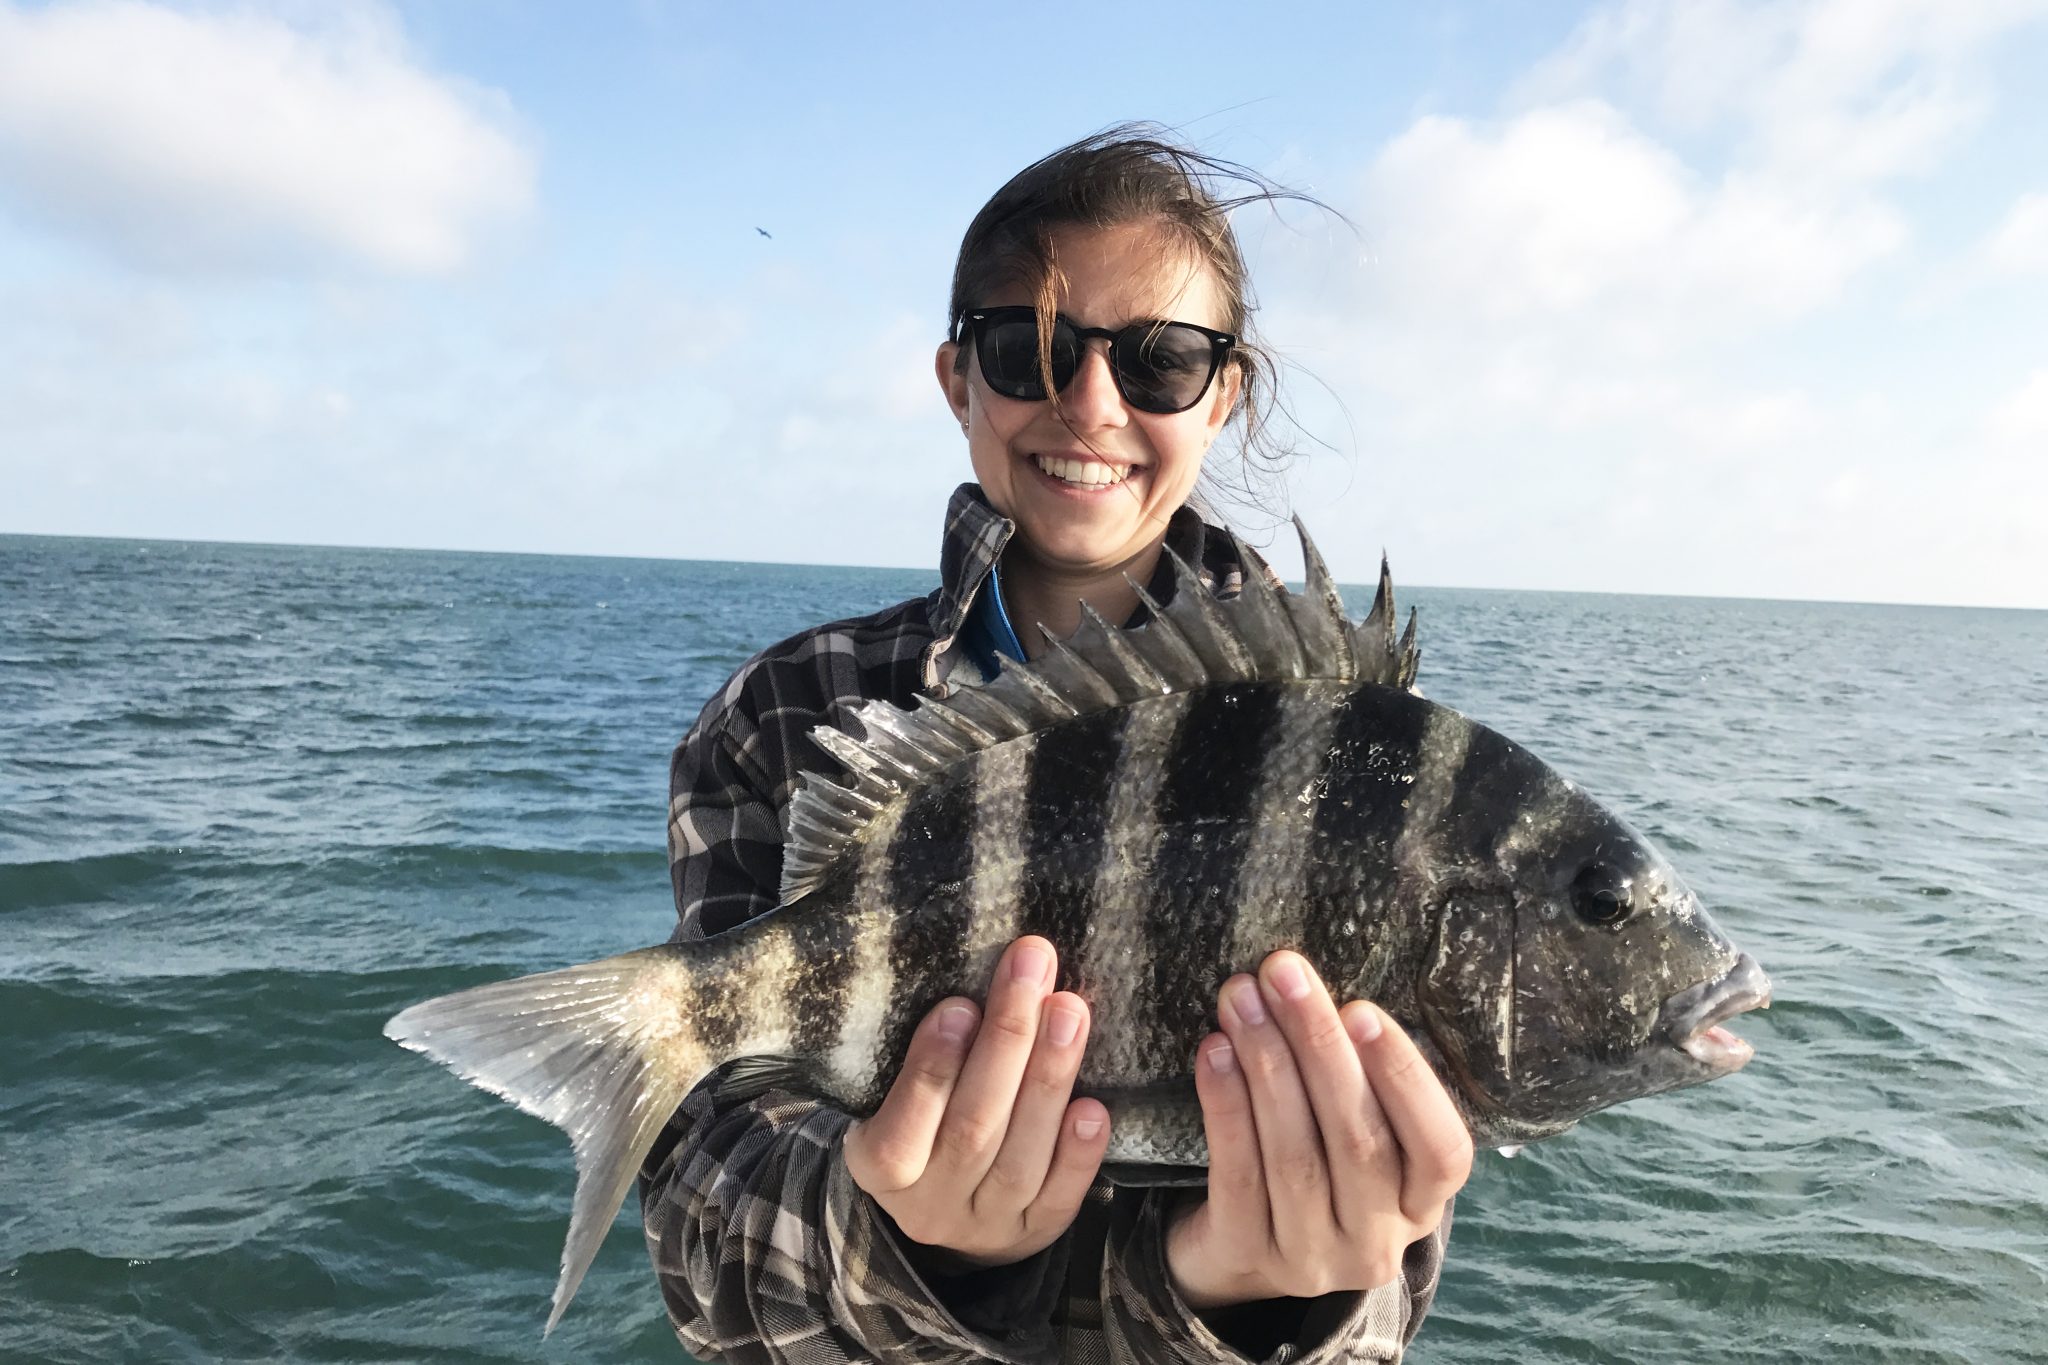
x=1128, y=273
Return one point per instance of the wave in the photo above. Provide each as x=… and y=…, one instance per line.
x=185, y=871
x=68, y=881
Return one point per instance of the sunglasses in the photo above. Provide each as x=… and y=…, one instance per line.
x=1160, y=367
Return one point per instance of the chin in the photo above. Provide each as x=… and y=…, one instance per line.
x=1078, y=547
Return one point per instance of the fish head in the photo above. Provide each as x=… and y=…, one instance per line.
x=1572, y=968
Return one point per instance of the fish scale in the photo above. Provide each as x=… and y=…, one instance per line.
x=1168, y=804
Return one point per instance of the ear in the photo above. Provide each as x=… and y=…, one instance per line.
x=1223, y=397
x=952, y=380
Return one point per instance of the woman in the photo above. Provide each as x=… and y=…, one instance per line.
x=1096, y=354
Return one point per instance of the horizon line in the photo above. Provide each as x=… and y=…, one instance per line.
x=1365, y=583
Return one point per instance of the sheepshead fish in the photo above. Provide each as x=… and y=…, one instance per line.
x=1167, y=804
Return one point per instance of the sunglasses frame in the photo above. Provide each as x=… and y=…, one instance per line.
x=976, y=321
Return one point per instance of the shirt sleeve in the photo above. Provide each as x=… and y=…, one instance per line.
x=724, y=837
x=767, y=1251
x=1146, y=1319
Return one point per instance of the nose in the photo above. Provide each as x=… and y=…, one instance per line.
x=1091, y=398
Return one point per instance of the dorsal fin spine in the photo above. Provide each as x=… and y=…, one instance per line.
x=980, y=705
x=970, y=735
x=1177, y=661
x=1322, y=612
x=1264, y=619
x=1138, y=673
x=1209, y=631
x=857, y=758
x=1410, y=656
x=1044, y=697
x=1081, y=675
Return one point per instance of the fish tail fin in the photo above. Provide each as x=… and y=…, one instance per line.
x=605, y=1051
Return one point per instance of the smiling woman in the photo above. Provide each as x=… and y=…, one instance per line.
x=1099, y=344
x=1089, y=477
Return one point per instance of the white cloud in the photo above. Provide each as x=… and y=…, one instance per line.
x=237, y=141
x=2019, y=244
x=1570, y=212
x=1621, y=335
x=1836, y=92
x=2020, y=422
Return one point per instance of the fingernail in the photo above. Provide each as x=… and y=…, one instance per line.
x=1064, y=1026
x=1222, y=1059
x=1245, y=1000
x=1365, y=1024
x=1029, y=963
x=1289, y=979
x=1086, y=1128
x=955, y=1023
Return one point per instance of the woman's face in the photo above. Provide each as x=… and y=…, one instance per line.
x=1091, y=486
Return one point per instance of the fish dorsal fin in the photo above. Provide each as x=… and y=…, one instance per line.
x=1264, y=634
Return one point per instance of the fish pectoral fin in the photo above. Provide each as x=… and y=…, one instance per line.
x=573, y=1047
x=1150, y=1174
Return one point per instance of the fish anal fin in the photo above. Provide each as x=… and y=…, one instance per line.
x=1150, y=1174
x=746, y=1078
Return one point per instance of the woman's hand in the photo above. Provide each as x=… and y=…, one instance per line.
x=1332, y=1145
x=977, y=1148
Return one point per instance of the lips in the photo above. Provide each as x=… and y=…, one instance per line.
x=1691, y=1019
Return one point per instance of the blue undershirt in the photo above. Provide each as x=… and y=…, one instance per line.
x=987, y=635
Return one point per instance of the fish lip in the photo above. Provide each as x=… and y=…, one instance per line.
x=1688, y=1016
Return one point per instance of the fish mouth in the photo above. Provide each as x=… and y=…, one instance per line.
x=1691, y=1020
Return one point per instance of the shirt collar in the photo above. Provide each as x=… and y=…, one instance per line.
x=977, y=534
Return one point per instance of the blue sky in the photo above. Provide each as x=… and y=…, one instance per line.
x=1727, y=298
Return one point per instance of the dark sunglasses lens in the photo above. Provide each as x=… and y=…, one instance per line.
x=1164, y=369
x=1009, y=356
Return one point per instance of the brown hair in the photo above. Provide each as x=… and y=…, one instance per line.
x=1131, y=173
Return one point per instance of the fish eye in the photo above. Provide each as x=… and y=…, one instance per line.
x=1601, y=894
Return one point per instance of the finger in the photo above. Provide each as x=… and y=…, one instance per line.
x=1290, y=1148
x=890, y=1150
x=1083, y=1136
x=979, y=1113
x=1363, y=1161
x=1238, y=1205
x=1019, y=1170
x=1436, y=1147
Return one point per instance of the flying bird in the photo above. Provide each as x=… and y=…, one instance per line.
x=765, y=233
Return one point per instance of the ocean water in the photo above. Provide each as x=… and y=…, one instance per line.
x=253, y=800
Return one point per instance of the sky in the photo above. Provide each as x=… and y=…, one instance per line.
x=1717, y=297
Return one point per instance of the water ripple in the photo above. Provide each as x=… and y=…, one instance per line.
x=259, y=798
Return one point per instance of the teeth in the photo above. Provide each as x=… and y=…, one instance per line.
x=1087, y=473
x=1718, y=1047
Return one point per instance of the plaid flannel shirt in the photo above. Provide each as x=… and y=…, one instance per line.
x=764, y=1247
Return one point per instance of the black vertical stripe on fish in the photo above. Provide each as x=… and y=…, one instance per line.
x=931, y=862
x=713, y=1016
x=1065, y=813
x=1369, y=780
x=828, y=959
x=1488, y=797
x=934, y=841
x=1272, y=890
x=1206, y=809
